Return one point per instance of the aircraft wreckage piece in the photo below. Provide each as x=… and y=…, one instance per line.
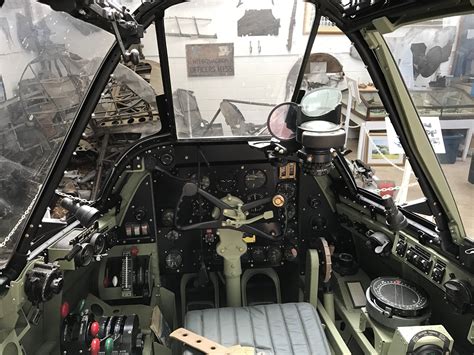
x=127, y=105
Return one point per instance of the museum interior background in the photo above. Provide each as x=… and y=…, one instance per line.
x=225, y=58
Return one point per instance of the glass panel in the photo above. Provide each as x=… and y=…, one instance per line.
x=50, y=59
x=230, y=65
x=436, y=60
x=378, y=166
x=126, y=112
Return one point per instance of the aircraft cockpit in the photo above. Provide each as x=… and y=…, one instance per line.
x=236, y=177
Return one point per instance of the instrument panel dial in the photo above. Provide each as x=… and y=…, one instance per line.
x=226, y=184
x=258, y=254
x=167, y=218
x=288, y=189
x=172, y=235
x=204, y=182
x=174, y=259
x=254, y=197
x=255, y=179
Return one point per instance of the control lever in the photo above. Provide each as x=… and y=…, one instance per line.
x=272, y=145
x=379, y=243
x=119, y=15
x=460, y=294
x=275, y=151
x=128, y=56
x=237, y=214
x=203, y=276
x=238, y=223
x=395, y=219
x=250, y=205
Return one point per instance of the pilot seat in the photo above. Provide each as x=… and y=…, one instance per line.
x=272, y=329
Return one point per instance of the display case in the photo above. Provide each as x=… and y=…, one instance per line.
x=445, y=103
x=369, y=109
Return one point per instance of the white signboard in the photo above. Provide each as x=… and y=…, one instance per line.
x=432, y=128
x=394, y=145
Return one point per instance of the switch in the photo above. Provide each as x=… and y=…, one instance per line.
x=437, y=274
x=109, y=346
x=94, y=329
x=425, y=265
x=64, y=310
x=95, y=346
x=401, y=248
x=134, y=251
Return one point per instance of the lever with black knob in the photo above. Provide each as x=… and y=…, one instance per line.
x=394, y=217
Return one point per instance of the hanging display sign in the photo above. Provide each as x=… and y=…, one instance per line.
x=214, y=59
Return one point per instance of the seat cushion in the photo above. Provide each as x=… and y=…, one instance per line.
x=275, y=329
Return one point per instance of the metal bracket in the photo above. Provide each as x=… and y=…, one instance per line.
x=119, y=15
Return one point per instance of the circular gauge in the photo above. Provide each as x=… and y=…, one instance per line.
x=140, y=214
x=167, y=218
x=287, y=213
x=204, y=183
x=258, y=254
x=255, y=179
x=200, y=206
x=172, y=235
x=166, y=159
x=291, y=253
x=85, y=256
x=274, y=255
x=290, y=230
x=318, y=223
x=254, y=197
x=174, y=259
x=98, y=241
x=287, y=189
x=400, y=295
x=226, y=184
x=111, y=238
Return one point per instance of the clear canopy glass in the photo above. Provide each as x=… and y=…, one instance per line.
x=49, y=60
x=229, y=65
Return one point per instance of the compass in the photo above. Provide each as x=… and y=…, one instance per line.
x=395, y=302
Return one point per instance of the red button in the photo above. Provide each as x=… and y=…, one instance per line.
x=64, y=310
x=94, y=329
x=134, y=251
x=95, y=346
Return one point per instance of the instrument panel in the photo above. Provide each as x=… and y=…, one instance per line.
x=222, y=169
x=186, y=251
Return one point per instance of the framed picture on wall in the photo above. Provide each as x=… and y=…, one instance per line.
x=325, y=26
x=378, y=153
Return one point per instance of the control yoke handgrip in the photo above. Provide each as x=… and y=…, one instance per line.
x=191, y=189
x=248, y=206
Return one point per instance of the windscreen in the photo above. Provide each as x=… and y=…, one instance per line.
x=436, y=61
x=231, y=62
x=48, y=61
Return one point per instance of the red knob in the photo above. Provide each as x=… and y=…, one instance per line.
x=134, y=251
x=95, y=346
x=94, y=329
x=64, y=310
